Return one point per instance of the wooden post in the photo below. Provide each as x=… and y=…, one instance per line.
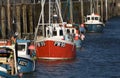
x=91, y=6
x=18, y=22
x=116, y=6
x=3, y=27
x=82, y=12
x=106, y=6
x=71, y=11
x=24, y=19
x=9, y=15
x=30, y=19
x=101, y=10
x=97, y=2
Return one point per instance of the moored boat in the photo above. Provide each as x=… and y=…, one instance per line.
x=25, y=56
x=93, y=23
x=79, y=38
x=26, y=63
x=57, y=44
x=8, y=62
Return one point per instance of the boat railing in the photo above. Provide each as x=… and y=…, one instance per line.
x=7, y=58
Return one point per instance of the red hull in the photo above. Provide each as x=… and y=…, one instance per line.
x=55, y=50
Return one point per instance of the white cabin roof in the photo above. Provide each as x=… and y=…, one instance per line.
x=93, y=19
x=93, y=15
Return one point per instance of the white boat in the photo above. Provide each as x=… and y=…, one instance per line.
x=93, y=23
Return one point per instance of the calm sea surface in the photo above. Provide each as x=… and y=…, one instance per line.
x=99, y=57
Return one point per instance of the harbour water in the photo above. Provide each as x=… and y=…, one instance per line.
x=99, y=57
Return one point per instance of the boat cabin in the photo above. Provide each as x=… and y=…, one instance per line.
x=23, y=47
x=92, y=18
x=56, y=30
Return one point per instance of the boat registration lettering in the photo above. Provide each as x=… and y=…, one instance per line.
x=60, y=44
x=23, y=63
x=42, y=43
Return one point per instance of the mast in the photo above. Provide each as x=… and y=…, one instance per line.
x=49, y=11
x=59, y=10
x=43, y=27
x=15, y=60
x=54, y=10
x=40, y=16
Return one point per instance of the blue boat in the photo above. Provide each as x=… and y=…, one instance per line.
x=93, y=23
x=78, y=38
x=8, y=63
x=78, y=43
x=26, y=63
x=6, y=75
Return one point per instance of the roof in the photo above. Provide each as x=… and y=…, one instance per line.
x=22, y=41
x=95, y=15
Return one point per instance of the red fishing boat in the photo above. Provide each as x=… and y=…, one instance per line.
x=57, y=42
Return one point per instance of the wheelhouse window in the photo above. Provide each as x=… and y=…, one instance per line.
x=61, y=32
x=88, y=18
x=5, y=52
x=92, y=18
x=73, y=31
x=21, y=47
x=54, y=33
x=68, y=31
x=96, y=18
x=48, y=32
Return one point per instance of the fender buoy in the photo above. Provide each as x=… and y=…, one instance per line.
x=8, y=42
